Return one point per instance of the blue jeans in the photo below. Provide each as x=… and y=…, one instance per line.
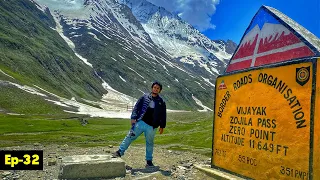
x=149, y=132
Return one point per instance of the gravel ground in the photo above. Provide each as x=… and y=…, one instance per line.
x=172, y=164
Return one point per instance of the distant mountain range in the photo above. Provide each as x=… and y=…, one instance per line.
x=85, y=49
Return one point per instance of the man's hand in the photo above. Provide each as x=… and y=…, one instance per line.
x=160, y=130
x=133, y=121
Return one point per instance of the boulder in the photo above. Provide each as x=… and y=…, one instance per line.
x=91, y=166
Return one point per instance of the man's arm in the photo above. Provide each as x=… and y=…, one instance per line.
x=136, y=109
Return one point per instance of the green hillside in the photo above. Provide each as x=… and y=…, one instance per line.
x=34, y=54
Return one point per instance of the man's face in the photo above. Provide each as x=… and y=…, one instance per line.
x=156, y=89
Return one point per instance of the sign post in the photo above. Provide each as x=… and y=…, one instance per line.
x=263, y=122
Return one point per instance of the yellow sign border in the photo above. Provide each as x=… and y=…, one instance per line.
x=313, y=60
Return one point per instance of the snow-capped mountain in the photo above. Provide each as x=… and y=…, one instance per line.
x=109, y=45
x=144, y=33
x=183, y=42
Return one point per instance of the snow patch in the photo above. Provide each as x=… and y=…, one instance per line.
x=200, y=85
x=94, y=36
x=15, y=114
x=115, y=95
x=136, y=72
x=59, y=29
x=208, y=81
x=205, y=108
x=122, y=79
x=83, y=59
x=114, y=104
x=121, y=56
x=187, y=61
x=57, y=103
x=6, y=74
x=27, y=89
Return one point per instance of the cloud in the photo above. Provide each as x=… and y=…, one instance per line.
x=196, y=12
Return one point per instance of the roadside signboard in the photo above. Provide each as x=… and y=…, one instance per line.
x=263, y=122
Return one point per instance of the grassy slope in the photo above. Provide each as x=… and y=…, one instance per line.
x=184, y=131
x=15, y=100
x=33, y=53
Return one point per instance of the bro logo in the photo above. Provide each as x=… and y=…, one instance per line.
x=222, y=85
x=302, y=75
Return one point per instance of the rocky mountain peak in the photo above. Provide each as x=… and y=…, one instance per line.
x=125, y=45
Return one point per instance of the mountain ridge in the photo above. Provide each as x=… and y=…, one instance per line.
x=111, y=45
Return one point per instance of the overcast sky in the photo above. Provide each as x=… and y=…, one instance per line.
x=228, y=19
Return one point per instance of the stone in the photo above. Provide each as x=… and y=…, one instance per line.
x=128, y=167
x=52, y=161
x=181, y=177
x=91, y=166
x=187, y=165
x=6, y=173
x=37, y=144
x=52, y=154
x=16, y=176
x=65, y=145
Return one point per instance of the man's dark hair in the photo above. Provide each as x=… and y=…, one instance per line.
x=158, y=83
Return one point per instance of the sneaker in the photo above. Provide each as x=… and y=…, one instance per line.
x=149, y=164
x=116, y=154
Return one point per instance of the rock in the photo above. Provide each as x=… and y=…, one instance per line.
x=181, y=170
x=208, y=161
x=6, y=173
x=181, y=177
x=128, y=167
x=52, y=154
x=16, y=176
x=181, y=167
x=174, y=168
x=184, y=162
x=52, y=161
x=91, y=166
x=174, y=175
x=36, y=144
x=187, y=165
x=83, y=121
x=64, y=147
x=137, y=173
x=110, y=146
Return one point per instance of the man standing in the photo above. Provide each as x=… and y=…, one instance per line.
x=147, y=115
